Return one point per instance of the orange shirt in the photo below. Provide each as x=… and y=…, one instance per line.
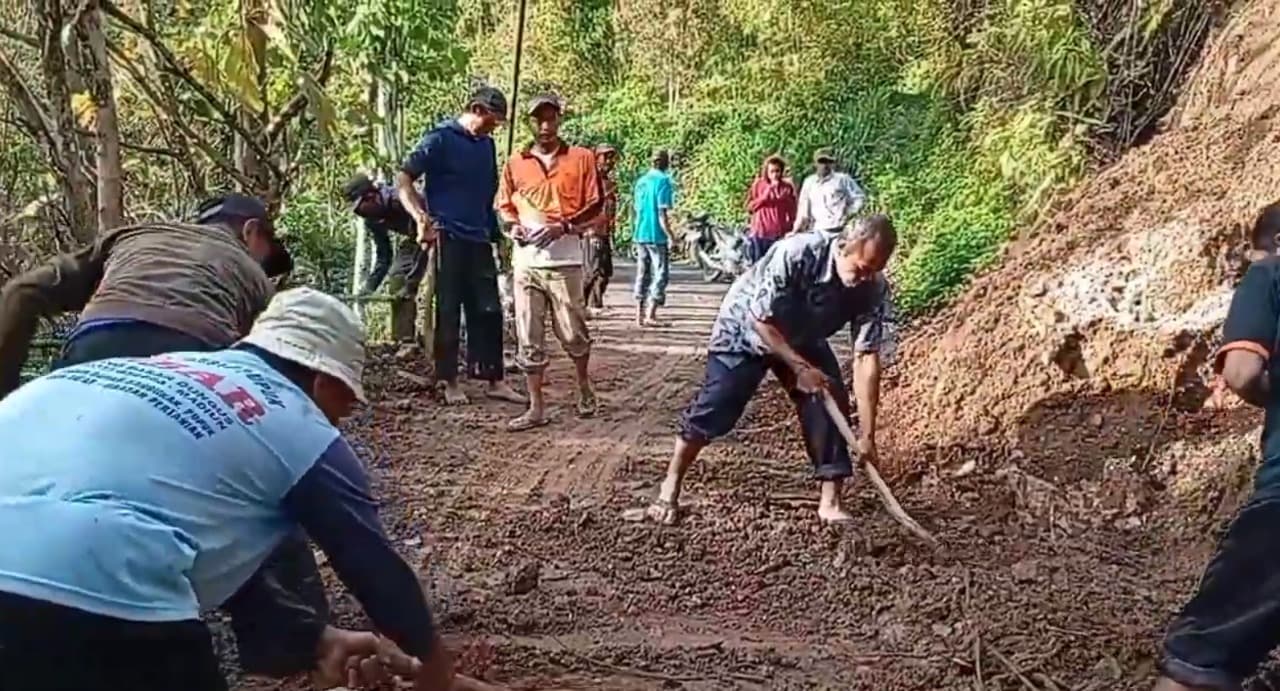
x=566, y=190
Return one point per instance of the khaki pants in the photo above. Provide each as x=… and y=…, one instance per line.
x=555, y=292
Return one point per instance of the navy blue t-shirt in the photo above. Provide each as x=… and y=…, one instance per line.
x=1253, y=324
x=461, y=180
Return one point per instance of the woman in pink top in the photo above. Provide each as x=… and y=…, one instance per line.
x=772, y=204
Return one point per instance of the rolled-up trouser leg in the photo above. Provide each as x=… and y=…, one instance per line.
x=822, y=439
x=1233, y=620
x=279, y=614
x=729, y=384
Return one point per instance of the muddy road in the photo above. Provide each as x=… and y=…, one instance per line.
x=539, y=582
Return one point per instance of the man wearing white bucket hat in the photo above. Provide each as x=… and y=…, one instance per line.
x=136, y=493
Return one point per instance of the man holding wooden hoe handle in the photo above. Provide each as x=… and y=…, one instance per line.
x=777, y=317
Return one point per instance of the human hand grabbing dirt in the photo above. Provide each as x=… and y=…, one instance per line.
x=359, y=659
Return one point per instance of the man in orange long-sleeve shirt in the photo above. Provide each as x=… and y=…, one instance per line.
x=549, y=194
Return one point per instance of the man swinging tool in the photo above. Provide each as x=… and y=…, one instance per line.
x=777, y=317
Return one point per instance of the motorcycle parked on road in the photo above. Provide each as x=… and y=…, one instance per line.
x=719, y=251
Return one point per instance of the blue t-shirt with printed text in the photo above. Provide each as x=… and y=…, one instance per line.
x=148, y=489
x=654, y=191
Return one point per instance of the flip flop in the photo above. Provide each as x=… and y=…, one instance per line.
x=526, y=422
x=587, y=404
x=662, y=512
x=838, y=522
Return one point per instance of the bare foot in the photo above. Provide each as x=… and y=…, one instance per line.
x=834, y=515
x=454, y=395
x=587, y=404
x=655, y=323
x=502, y=391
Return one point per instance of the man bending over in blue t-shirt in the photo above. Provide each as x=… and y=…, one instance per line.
x=136, y=493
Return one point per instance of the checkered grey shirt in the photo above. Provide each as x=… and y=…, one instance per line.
x=795, y=287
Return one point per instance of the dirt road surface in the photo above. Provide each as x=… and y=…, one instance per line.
x=539, y=582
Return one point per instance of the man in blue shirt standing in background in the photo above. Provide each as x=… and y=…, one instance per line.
x=458, y=165
x=654, y=196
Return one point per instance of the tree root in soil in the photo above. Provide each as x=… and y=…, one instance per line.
x=882, y=490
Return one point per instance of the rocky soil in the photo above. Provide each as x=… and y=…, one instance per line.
x=1057, y=428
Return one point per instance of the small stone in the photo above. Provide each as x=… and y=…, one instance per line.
x=525, y=579
x=965, y=469
x=1096, y=419
x=942, y=630
x=1024, y=571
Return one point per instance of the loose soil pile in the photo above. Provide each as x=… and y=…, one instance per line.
x=1050, y=427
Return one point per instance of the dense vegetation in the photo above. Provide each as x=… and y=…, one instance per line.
x=962, y=117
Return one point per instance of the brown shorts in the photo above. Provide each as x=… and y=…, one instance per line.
x=556, y=292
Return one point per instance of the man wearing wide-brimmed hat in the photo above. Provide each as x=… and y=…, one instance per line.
x=137, y=493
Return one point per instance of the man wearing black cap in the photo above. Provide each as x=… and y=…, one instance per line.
x=457, y=163
x=829, y=199
x=166, y=287
x=379, y=205
x=150, y=288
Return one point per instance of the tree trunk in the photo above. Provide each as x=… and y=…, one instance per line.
x=76, y=186
x=253, y=15
x=110, y=170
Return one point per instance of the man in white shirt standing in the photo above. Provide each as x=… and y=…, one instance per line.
x=828, y=198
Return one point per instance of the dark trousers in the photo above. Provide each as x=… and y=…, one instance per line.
x=408, y=267
x=730, y=385
x=757, y=247
x=597, y=262
x=47, y=647
x=467, y=279
x=279, y=614
x=1233, y=620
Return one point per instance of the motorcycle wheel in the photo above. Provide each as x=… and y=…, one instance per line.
x=710, y=274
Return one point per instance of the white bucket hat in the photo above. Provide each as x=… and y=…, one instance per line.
x=316, y=331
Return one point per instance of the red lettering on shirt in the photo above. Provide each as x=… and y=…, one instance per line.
x=210, y=380
x=246, y=406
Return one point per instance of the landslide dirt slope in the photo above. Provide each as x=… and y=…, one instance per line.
x=1087, y=345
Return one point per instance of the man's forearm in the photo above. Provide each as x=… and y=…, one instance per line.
x=866, y=391
x=777, y=344
x=664, y=222
x=413, y=202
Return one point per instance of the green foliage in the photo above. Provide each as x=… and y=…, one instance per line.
x=960, y=118
x=959, y=136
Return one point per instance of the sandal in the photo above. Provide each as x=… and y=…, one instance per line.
x=663, y=512
x=587, y=404
x=526, y=422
